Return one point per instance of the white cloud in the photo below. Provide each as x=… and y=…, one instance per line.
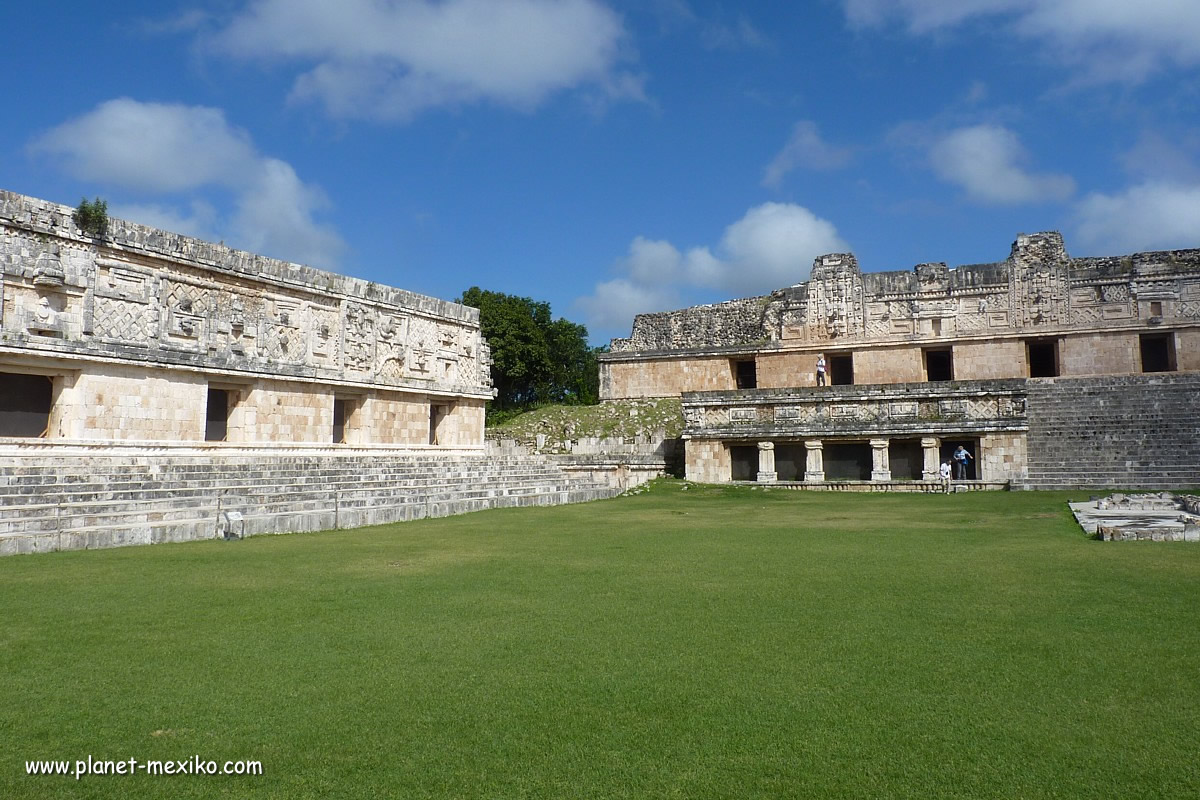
x=804, y=149
x=774, y=245
x=613, y=304
x=988, y=162
x=394, y=60
x=1160, y=157
x=771, y=246
x=157, y=149
x=150, y=146
x=1108, y=40
x=1155, y=215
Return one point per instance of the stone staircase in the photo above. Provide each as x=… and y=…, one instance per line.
x=1129, y=431
x=64, y=502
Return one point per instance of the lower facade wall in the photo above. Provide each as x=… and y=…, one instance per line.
x=113, y=402
x=1000, y=458
x=665, y=377
x=119, y=403
x=707, y=461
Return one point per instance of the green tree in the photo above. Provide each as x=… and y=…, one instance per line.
x=92, y=217
x=535, y=359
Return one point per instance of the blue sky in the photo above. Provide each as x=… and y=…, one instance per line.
x=614, y=157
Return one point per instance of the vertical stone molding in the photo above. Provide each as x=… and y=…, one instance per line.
x=929, y=469
x=814, y=461
x=881, y=468
x=766, y=463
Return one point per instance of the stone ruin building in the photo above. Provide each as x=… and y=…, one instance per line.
x=155, y=387
x=1052, y=371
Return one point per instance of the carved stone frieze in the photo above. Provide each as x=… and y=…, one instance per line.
x=196, y=303
x=1039, y=287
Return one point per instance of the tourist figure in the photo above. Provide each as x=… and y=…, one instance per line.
x=821, y=369
x=961, y=457
x=944, y=472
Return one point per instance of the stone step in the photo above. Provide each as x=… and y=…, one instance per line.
x=76, y=492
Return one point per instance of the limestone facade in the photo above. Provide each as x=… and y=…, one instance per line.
x=147, y=336
x=913, y=358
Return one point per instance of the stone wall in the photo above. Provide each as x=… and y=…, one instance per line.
x=735, y=322
x=145, y=296
x=950, y=408
x=1002, y=457
x=666, y=377
x=707, y=461
x=1093, y=309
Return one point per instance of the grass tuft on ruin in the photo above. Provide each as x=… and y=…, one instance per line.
x=644, y=417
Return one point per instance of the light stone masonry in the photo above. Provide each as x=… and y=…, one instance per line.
x=923, y=361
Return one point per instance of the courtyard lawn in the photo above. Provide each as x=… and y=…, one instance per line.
x=692, y=643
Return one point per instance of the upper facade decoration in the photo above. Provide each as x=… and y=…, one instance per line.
x=1038, y=289
x=149, y=296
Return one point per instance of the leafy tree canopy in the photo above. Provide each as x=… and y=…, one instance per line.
x=92, y=217
x=535, y=359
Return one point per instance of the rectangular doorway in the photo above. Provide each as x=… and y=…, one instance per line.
x=790, y=460
x=745, y=374
x=743, y=462
x=949, y=445
x=339, y=419
x=907, y=459
x=216, y=416
x=847, y=461
x=1158, y=352
x=939, y=364
x=25, y=402
x=1042, y=356
x=841, y=369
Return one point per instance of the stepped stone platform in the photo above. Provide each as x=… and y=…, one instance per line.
x=63, y=500
x=1116, y=432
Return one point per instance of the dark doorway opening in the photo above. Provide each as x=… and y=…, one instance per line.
x=848, y=461
x=436, y=415
x=790, y=461
x=841, y=369
x=1158, y=352
x=216, y=418
x=1042, y=355
x=339, y=421
x=25, y=402
x=939, y=365
x=745, y=374
x=743, y=463
x=907, y=459
x=972, y=446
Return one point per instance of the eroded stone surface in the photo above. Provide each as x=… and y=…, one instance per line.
x=1161, y=517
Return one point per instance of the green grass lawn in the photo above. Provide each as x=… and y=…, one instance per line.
x=713, y=642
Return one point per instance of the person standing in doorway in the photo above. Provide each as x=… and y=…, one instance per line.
x=961, y=457
x=820, y=369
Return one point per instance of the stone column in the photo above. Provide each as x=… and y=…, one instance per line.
x=929, y=448
x=814, y=461
x=881, y=468
x=766, y=463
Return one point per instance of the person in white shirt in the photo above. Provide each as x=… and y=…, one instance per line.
x=821, y=369
x=944, y=471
